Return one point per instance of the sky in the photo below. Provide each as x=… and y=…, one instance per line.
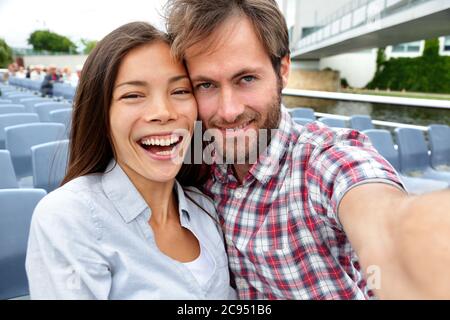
x=75, y=19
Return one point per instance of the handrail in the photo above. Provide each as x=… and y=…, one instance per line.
x=409, y=102
x=380, y=8
x=381, y=123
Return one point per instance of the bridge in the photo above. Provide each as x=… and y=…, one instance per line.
x=364, y=24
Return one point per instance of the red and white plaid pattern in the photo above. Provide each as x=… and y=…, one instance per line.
x=283, y=235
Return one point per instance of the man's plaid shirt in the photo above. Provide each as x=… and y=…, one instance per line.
x=282, y=231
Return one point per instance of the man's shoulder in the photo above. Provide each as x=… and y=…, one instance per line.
x=316, y=136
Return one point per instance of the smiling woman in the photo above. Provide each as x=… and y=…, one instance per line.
x=152, y=113
x=121, y=226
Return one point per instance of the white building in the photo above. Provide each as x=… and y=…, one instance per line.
x=306, y=16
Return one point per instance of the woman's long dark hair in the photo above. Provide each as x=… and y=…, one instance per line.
x=91, y=148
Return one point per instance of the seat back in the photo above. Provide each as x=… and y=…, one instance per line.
x=383, y=142
x=333, y=122
x=17, y=97
x=440, y=145
x=64, y=90
x=361, y=123
x=10, y=93
x=302, y=121
x=413, y=150
x=15, y=218
x=11, y=108
x=63, y=116
x=7, y=120
x=49, y=164
x=44, y=109
x=30, y=102
x=20, y=139
x=307, y=113
x=8, y=178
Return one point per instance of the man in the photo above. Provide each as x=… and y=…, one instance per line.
x=47, y=84
x=330, y=220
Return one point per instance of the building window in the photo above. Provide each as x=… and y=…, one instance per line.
x=447, y=44
x=411, y=47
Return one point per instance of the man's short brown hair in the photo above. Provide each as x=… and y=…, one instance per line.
x=191, y=21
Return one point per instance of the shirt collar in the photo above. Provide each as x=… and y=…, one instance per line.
x=183, y=205
x=269, y=161
x=126, y=198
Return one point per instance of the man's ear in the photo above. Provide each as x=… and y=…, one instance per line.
x=285, y=69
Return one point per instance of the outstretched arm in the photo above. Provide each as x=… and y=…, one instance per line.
x=403, y=240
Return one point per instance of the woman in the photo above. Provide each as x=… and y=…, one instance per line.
x=121, y=226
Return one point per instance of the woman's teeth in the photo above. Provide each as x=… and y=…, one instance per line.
x=164, y=153
x=160, y=141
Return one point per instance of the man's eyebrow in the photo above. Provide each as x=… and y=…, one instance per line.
x=201, y=78
x=244, y=72
x=240, y=73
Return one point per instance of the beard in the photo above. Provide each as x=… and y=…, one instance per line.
x=246, y=148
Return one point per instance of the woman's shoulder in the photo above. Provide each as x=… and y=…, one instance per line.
x=68, y=205
x=78, y=190
x=85, y=184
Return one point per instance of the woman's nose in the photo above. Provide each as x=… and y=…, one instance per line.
x=160, y=110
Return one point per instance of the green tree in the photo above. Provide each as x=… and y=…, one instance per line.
x=5, y=54
x=89, y=45
x=431, y=49
x=381, y=59
x=45, y=40
x=428, y=73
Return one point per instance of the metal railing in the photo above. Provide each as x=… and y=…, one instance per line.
x=353, y=15
x=409, y=102
x=31, y=52
x=394, y=101
x=387, y=124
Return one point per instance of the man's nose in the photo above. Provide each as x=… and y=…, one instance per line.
x=230, y=107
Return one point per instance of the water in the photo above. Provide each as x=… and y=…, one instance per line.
x=384, y=112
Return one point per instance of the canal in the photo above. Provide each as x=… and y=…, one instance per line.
x=383, y=112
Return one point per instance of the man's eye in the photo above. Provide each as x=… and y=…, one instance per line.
x=248, y=78
x=206, y=85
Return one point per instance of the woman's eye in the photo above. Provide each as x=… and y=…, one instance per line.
x=182, y=91
x=131, y=96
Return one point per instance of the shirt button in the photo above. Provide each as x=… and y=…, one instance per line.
x=238, y=194
x=240, y=282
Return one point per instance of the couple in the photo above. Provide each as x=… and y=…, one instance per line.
x=330, y=220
